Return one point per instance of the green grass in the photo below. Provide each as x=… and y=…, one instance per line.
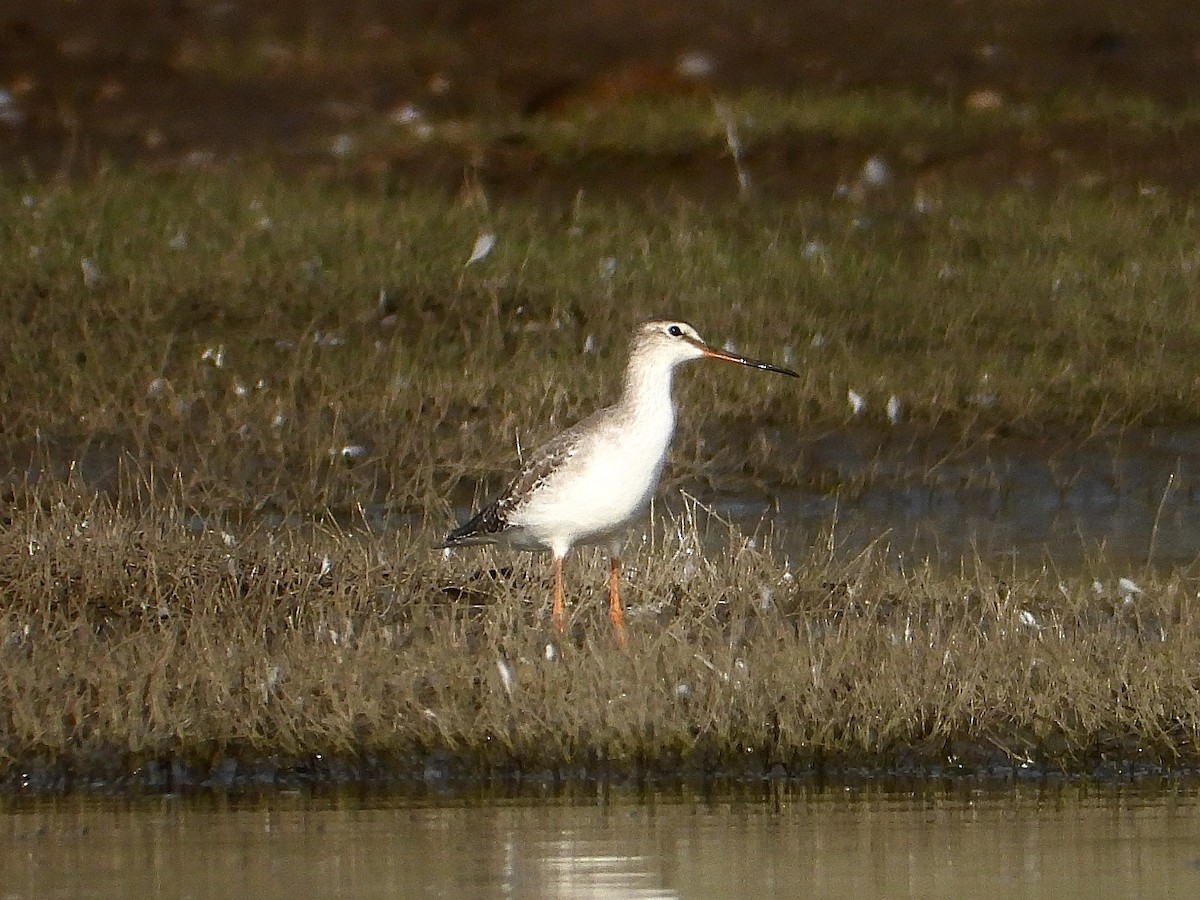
x=667, y=125
x=796, y=137
x=979, y=312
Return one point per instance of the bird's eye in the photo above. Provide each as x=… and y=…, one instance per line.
x=675, y=331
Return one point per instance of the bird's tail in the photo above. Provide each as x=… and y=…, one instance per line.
x=482, y=528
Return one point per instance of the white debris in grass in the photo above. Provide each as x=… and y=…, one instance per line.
x=507, y=678
x=875, y=173
x=406, y=114
x=325, y=339
x=484, y=245
x=93, y=277
x=214, y=355
x=1129, y=586
x=814, y=250
x=858, y=403
x=694, y=65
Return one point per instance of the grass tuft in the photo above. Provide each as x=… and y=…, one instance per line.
x=135, y=645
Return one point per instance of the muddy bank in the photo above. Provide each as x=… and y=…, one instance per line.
x=443, y=773
x=186, y=85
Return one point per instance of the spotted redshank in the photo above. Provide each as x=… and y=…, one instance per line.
x=591, y=481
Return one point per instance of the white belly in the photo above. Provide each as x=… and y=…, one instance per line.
x=600, y=491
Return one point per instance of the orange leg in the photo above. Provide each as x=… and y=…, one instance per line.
x=616, y=610
x=559, y=615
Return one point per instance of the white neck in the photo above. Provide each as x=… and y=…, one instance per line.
x=647, y=390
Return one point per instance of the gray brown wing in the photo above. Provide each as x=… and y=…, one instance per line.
x=492, y=520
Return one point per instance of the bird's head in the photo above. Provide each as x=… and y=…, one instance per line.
x=674, y=343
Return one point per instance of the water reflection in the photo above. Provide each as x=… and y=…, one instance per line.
x=574, y=869
x=1066, y=840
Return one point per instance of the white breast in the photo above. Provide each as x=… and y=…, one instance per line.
x=601, y=489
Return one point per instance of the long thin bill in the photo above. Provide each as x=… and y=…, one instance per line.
x=747, y=361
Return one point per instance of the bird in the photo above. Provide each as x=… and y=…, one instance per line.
x=590, y=482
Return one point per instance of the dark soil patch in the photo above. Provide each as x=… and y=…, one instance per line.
x=136, y=80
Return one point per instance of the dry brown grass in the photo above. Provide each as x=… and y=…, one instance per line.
x=137, y=650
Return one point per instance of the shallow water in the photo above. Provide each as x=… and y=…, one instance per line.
x=1132, y=498
x=1061, y=841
